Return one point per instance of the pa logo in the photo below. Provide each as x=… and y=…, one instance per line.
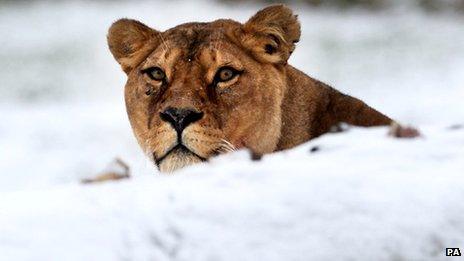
x=453, y=252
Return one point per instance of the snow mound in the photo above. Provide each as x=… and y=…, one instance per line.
x=358, y=195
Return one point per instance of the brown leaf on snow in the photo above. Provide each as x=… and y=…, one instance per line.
x=120, y=171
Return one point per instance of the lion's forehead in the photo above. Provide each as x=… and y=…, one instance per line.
x=192, y=38
x=196, y=47
x=202, y=31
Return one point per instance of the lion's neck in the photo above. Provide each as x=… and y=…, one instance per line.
x=310, y=108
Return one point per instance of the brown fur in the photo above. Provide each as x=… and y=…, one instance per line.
x=268, y=107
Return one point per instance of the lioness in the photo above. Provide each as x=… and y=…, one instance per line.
x=201, y=89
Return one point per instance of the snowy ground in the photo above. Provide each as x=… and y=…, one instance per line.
x=384, y=200
x=361, y=196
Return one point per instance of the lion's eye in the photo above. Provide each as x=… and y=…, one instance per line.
x=155, y=73
x=225, y=74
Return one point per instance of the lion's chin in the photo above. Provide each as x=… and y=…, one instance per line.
x=178, y=159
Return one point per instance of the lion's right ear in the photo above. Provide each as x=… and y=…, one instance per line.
x=131, y=42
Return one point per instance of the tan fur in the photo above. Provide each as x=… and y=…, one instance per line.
x=270, y=106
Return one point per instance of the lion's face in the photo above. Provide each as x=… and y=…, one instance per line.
x=201, y=89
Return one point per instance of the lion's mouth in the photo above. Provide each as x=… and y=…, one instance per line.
x=179, y=150
x=186, y=151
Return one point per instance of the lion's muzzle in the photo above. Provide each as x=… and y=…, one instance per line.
x=178, y=155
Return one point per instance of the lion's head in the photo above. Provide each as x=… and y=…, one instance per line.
x=200, y=89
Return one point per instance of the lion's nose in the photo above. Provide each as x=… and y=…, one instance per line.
x=180, y=118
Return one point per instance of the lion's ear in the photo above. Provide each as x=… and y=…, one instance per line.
x=131, y=42
x=271, y=34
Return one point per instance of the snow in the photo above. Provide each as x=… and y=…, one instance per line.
x=391, y=200
x=361, y=196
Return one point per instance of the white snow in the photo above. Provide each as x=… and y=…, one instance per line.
x=361, y=196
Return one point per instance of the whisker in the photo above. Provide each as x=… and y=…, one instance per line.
x=228, y=144
x=224, y=147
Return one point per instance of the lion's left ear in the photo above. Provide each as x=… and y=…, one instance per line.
x=271, y=34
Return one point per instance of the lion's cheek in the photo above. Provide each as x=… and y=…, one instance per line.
x=138, y=120
x=138, y=125
x=256, y=130
x=264, y=130
x=264, y=136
